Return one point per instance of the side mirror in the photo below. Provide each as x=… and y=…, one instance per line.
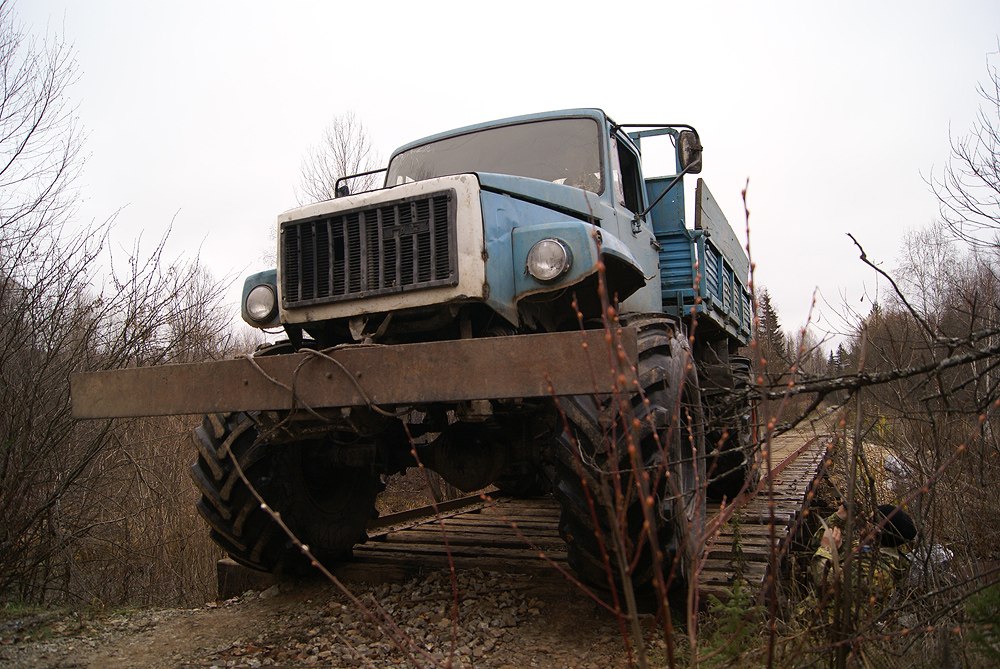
x=689, y=151
x=342, y=190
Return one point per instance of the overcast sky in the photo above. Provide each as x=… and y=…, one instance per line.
x=201, y=112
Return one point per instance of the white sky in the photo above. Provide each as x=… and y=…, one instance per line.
x=835, y=113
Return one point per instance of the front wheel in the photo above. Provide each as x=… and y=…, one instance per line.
x=630, y=474
x=326, y=505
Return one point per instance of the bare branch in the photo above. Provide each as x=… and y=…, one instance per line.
x=344, y=150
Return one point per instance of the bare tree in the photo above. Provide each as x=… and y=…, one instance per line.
x=969, y=188
x=79, y=499
x=39, y=141
x=344, y=150
x=922, y=373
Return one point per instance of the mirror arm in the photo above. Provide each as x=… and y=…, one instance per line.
x=340, y=187
x=676, y=180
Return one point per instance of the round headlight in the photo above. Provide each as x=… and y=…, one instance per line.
x=549, y=259
x=261, y=303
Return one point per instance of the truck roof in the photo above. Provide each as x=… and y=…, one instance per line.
x=594, y=113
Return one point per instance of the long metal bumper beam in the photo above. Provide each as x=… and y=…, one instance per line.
x=570, y=363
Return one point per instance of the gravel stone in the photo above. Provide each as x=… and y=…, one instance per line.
x=501, y=620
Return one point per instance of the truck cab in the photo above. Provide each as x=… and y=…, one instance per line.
x=500, y=226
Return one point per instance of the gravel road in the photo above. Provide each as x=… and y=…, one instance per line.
x=488, y=620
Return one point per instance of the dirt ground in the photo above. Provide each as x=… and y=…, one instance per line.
x=501, y=620
x=480, y=619
x=490, y=620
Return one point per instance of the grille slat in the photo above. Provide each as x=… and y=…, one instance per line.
x=387, y=248
x=397, y=256
x=308, y=258
x=432, y=252
x=381, y=251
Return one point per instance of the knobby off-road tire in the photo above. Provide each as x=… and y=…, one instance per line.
x=733, y=457
x=596, y=446
x=326, y=506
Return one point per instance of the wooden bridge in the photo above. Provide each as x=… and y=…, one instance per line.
x=522, y=536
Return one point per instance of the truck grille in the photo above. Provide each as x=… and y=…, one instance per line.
x=389, y=248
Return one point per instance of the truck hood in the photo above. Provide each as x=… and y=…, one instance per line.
x=574, y=201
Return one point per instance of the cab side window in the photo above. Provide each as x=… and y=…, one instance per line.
x=630, y=193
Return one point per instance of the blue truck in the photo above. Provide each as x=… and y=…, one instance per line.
x=517, y=305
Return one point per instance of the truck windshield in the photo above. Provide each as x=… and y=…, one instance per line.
x=564, y=151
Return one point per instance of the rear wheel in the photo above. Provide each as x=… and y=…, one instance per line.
x=326, y=505
x=594, y=464
x=733, y=457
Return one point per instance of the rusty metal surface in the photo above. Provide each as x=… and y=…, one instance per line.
x=568, y=363
x=469, y=503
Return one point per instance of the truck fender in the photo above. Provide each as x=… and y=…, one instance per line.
x=588, y=244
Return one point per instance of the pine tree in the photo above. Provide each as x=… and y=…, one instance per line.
x=769, y=334
x=772, y=352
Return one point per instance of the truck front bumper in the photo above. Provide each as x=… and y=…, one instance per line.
x=569, y=363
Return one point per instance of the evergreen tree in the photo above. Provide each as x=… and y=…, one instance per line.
x=769, y=334
x=771, y=346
